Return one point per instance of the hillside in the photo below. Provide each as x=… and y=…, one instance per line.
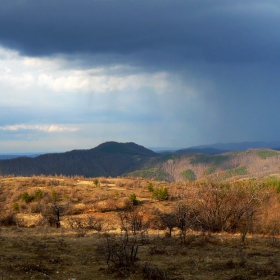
x=129, y=159
x=107, y=159
x=226, y=166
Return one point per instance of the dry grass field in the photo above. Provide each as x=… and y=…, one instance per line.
x=119, y=228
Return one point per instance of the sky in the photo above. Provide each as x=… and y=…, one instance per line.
x=160, y=73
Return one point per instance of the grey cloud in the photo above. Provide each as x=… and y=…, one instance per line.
x=161, y=30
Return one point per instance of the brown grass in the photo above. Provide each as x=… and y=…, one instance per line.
x=30, y=249
x=48, y=253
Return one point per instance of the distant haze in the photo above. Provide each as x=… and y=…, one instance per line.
x=180, y=73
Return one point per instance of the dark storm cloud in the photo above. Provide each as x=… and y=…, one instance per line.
x=204, y=70
x=177, y=30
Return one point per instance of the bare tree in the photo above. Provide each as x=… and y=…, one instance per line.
x=169, y=220
x=53, y=210
x=133, y=221
x=185, y=219
x=122, y=251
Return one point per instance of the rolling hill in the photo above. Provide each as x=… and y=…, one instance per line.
x=129, y=159
x=107, y=159
x=227, y=166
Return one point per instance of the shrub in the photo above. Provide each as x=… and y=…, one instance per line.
x=110, y=205
x=34, y=207
x=26, y=197
x=8, y=220
x=133, y=222
x=127, y=205
x=160, y=194
x=272, y=182
x=54, y=196
x=150, y=187
x=153, y=272
x=133, y=199
x=84, y=225
x=38, y=194
x=16, y=207
x=227, y=207
x=117, y=194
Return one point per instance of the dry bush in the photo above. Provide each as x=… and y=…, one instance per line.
x=109, y=205
x=52, y=212
x=225, y=207
x=121, y=252
x=8, y=219
x=104, y=181
x=83, y=224
x=36, y=181
x=154, y=273
x=120, y=184
x=75, y=209
x=34, y=207
x=268, y=220
x=131, y=184
x=133, y=222
x=88, y=200
x=124, y=204
x=54, y=183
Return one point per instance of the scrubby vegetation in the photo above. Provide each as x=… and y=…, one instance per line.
x=214, y=159
x=211, y=169
x=152, y=173
x=189, y=175
x=159, y=193
x=106, y=228
x=267, y=153
x=242, y=170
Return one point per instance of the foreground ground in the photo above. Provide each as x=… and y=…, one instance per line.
x=48, y=253
x=88, y=243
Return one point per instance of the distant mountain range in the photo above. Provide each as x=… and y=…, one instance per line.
x=219, y=161
x=10, y=156
x=220, y=148
x=242, y=146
